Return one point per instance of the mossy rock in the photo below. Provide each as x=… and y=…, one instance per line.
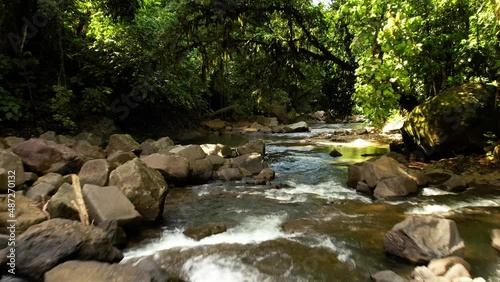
x=451, y=123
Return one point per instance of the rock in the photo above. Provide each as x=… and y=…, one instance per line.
x=49, y=136
x=354, y=174
x=245, y=172
x=216, y=149
x=60, y=205
x=495, y=239
x=8, y=278
x=216, y=161
x=440, y=266
x=398, y=157
x=452, y=122
x=454, y=184
x=43, y=156
x=122, y=142
x=87, y=151
x=190, y=152
x=266, y=174
x=456, y=271
x=201, y=170
x=422, y=273
x=267, y=121
x=256, y=127
x=55, y=179
x=297, y=127
x=419, y=177
x=95, y=172
x=92, y=138
x=110, y=204
x=334, y=153
x=152, y=147
x=398, y=186
x=4, y=241
x=386, y=276
x=26, y=214
x=12, y=141
x=119, y=158
x=143, y=186
x=13, y=167
x=229, y=174
x=421, y=239
x=45, y=245
x=205, y=230
x=437, y=176
x=362, y=187
x=41, y=190
x=382, y=168
x=30, y=178
x=104, y=128
x=215, y=124
x=173, y=168
x=149, y=265
x=85, y=271
x=66, y=141
x=254, y=146
x=251, y=162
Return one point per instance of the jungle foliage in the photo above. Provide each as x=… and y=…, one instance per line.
x=64, y=60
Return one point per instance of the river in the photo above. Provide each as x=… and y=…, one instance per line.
x=318, y=229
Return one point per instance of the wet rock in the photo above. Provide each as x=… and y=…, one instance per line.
x=119, y=158
x=150, y=266
x=92, y=138
x=297, y=127
x=95, y=172
x=229, y=174
x=217, y=149
x=495, y=239
x=454, y=184
x=362, y=187
x=251, y=162
x=26, y=214
x=266, y=174
x=440, y=266
x=335, y=153
x=88, y=151
x=85, y=271
x=143, y=186
x=110, y=204
x=205, y=230
x=12, y=165
x=43, y=156
x=173, y=168
x=45, y=245
x=398, y=186
x=122, y=142
x=421, y=239
x=55, y=179
x=386, y=276
x=60, y=205
x=41, y=190
x=254, y=146
x=354, y=175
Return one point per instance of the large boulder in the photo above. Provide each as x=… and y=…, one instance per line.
x=12, y=166
x=228, y=174
x=189, y=152
x=254, y=146
x=173, y=168
x=217, y=149
x=201, y=170
x=60, y=205
x=395, y=187
x=297, y=127
x=91, y=138
x=95, y=172
x=85, y=271
x=25, y=214
x=43, y=156
x=122, y=142
x=421, y=239
x=451, y=123
x=382, y=168
x=251, y=162
x=110, y=204
x=118, y=158
x=143, y=186
x=151, y=147
x=456, y=183
x=45, y=245
x=88, y=151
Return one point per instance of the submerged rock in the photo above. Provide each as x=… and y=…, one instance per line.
x=205, y=230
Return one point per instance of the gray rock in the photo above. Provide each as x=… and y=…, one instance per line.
x=201, y=170
x=229, y=174
x=86, y=271
x=454, y=184
x=143, y=186
x=266, y=174
x=12, y=166
x=354, y=175
x=50, y=136
x=92, y=138
x=60, y=205
x=66, y=140
x=254, y=146
x=421, y=239
x=43, y=156
x=4, y=240
x=205, y=230
x=362, y=187
x=173, y=168
x=122, y=142
x=45, y=245
x=26, y=213
x=41, y=190
x=251, y=162
x=297, y=127
x=119, y=158
x=382, y=168
x=110, y=204
x=95, y=172
x=216, y=161
x=158, y=274
x=398, y=186
x=386, y=276
x=189, y=152
x=54, y=179
x=87, y=151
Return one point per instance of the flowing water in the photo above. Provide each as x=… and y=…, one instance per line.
x=318, y=229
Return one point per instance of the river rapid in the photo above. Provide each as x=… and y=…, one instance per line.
x=317, y=229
